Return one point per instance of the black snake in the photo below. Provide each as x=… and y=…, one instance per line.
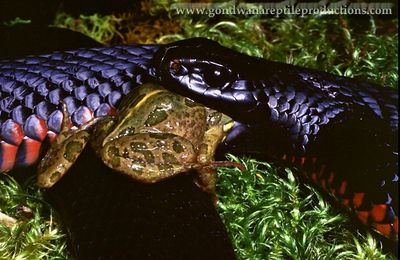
x=341, y=132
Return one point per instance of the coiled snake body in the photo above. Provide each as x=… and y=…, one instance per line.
x=342, y=132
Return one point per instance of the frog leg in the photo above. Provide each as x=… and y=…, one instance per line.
x=207, y=177
x=62, y=153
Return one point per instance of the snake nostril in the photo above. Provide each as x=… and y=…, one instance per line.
x=243, y=85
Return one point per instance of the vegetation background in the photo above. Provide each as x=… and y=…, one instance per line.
x=268, y=214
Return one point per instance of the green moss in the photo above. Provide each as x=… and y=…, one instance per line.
x=16, y=21
x=102, y=28
x=270, y=217
x=36, y=235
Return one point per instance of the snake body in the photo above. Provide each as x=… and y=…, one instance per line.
x=341, y=131
x=90, y=81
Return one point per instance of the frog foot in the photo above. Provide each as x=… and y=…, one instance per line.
x=207, y=176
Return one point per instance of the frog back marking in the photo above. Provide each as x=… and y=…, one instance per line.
x=150, y=157
x=134, y=111
x=171, y=114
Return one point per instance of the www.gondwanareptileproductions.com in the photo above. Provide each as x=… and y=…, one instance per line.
x=285, y=8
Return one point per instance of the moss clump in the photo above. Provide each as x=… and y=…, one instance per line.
x=36, y=235
x=102, y=28
x=270, y=217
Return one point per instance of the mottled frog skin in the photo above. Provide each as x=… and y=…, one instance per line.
x=156, y=135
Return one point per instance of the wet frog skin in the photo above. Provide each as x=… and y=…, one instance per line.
x=156, y=135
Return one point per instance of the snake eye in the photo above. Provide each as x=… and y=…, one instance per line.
x=217, y=76
x=176, y=67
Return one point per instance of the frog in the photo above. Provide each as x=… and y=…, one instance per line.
x=155, y=135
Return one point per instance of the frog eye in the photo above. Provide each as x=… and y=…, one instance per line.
x=214, y=118
x=176, y=67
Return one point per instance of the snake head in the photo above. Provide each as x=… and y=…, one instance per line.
x=215, y=76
